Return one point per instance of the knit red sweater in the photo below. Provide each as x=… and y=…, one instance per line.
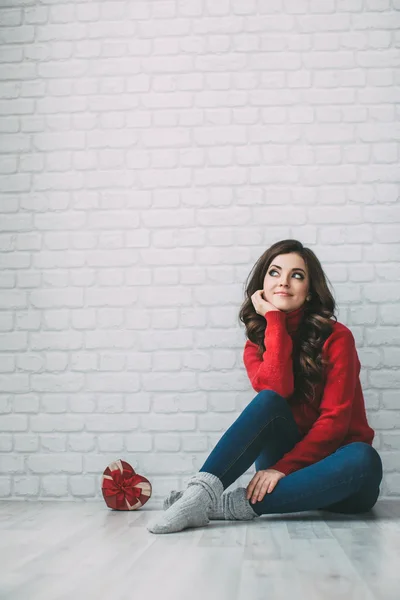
x=340, y=417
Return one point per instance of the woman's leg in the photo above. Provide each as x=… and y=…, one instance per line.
x=365, y=498
x=280, y=442
x=346, y=481
x=264, y=430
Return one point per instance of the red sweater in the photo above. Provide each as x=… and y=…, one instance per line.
x=340, y=417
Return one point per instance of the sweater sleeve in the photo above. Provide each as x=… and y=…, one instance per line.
x=275, y=370
x=331, y=427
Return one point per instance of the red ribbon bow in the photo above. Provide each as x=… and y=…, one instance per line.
x=123, y=487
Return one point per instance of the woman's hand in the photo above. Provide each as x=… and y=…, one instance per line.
x=263, y=482
x=261, y=305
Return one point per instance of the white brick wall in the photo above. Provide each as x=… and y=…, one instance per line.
x=150, y=152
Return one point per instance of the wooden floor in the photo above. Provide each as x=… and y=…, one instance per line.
x=85, y=551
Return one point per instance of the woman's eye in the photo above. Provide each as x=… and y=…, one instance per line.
x=275, y=271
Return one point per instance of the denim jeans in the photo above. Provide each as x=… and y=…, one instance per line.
x=346, y=481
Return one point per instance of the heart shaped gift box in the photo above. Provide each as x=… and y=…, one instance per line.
x=122, y=488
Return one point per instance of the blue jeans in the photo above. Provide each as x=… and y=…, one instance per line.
x=346, y=481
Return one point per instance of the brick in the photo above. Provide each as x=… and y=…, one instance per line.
x=139, y=442
x=17, y=35
x=83, y=486
x=389, y=396
x=83, y=361
x=138, y=403
x=122, y=382
x=69, y=382
x=36, y=15
x=194, y=443
x=53, y=442
x=170, y=423
x=26, y=443
x=60, y=340
x=110, y=443
x=390, y=440
x=375, y=292
x=14, y=341
x=12, y=464
x=82, y=403
x=56, y=298
x=384, y=420
x=56, y=423
x=14, y=423
x=55, y=319
x=83, y=442
x=110, y=403
x=110, y=423
x=157, y=464
x=54, y=486
x=28, y=321
x=26, y=486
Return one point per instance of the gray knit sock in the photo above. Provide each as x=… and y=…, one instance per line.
x=231, y=506
x=214, y=514
x=191, y=509
x=236, y=507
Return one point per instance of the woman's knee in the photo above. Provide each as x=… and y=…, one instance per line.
x=366, y=459
x=268, y=400
x=270, y=396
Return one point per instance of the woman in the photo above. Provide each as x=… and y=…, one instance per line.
x=306, y=429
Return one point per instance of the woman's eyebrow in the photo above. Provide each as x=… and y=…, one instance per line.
x=294, y=269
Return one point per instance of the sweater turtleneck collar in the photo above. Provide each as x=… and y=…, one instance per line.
x=294, y=318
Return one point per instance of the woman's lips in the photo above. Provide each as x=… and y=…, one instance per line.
x=282, y=294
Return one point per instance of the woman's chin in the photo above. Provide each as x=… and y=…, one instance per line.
x=284, y=303
x=283, y=300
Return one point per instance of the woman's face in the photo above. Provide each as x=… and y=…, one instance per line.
x=286, y=273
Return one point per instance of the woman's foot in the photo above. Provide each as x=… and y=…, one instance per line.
x=191, y=509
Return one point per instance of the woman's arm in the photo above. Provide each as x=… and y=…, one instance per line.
x=275, y=370
x=331, y=427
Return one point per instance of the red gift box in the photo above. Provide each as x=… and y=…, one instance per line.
x=122, y=488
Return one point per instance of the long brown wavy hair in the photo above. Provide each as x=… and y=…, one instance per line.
x=314, y=329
